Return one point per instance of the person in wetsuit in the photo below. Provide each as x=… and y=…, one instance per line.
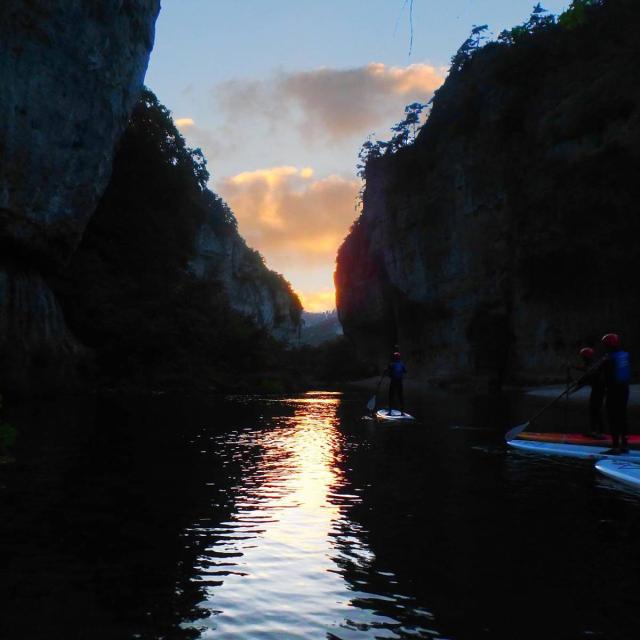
x=616, y=369
x=594, y=378
x=396, y=372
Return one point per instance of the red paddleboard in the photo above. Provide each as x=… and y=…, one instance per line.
x=574, y=438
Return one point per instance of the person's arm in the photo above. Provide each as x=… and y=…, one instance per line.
x=586, y=379
x=592, y=374
x=606, y=370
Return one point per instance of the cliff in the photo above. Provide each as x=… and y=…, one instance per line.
x=115, y=268
x=252, y=288
x=505, y=236
x=71, y=72
x=162, y=289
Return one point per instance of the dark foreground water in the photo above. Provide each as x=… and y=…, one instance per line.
x=277, y=518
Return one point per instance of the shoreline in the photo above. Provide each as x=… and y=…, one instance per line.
x=582, y=395
x=543, y=391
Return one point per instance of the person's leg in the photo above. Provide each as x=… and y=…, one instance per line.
x=622, y=408
x=589, y=430
x=612, y=415
x=392, y=395
x=401, y=396
x=596, y=421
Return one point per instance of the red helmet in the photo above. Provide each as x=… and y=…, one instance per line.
x=611, y=340
x=588, y=353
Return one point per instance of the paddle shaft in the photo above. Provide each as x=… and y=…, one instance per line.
x=380, y=382
x=566, y=400
x=372, y=401
x=513, y=433
x=548, y=406
x=564, y=393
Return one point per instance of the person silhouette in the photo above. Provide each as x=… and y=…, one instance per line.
x=396, y=371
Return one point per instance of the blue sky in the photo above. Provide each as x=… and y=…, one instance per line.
x=280, y=94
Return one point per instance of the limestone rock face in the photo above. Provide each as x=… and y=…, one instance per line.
x=38, y=352
x=252, y=289
x=70, y=72
x=505, y=237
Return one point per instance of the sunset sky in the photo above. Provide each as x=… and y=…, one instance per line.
x=280, y=95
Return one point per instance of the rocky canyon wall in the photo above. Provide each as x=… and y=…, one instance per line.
x=162, y=289
x=253, y=290
x=71, y=72
x=117, y=265
x=505, y=237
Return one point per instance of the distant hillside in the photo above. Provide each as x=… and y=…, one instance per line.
x=317, y=328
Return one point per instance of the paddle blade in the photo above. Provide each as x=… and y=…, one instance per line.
x=516, y=431
x=371, y=405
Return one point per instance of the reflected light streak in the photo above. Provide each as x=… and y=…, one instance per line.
x=289, y=562
x=283, y=569
x=312, y=472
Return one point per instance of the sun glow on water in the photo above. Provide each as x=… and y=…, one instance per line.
x=275, y=569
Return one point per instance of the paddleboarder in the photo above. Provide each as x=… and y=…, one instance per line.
x=616, y=369
x=594, y=378
x=396, y=372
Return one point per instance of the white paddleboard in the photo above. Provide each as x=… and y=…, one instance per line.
x=586, y=452
x=622, y=470
x=384, y=415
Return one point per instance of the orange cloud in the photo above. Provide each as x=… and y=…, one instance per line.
x=328, y=104
x=184, y=123
x=294, y=220
x=318, y=300
x=343, y=102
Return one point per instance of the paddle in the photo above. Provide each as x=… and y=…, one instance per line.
x=371, y=405
x=517, y=430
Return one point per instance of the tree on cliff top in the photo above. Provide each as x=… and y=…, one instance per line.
x=469, y=47
x=576, y=14
x=151, y=122
x=539, y=20
x=404, y=133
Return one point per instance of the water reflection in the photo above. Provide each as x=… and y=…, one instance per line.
x=289, y=563
x=179, y=518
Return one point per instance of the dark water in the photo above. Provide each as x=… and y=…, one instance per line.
x=278, y=518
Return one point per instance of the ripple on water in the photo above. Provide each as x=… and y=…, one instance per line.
x=289, y=563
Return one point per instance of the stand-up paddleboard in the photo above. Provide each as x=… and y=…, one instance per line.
x=575, y=438
x=384, y=415
x=622, y=470
x=586, y=452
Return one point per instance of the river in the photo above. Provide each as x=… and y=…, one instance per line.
x=290, y=517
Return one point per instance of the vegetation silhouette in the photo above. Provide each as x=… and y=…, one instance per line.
x=130, y=296
x=404, y=133
x=128, y=293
